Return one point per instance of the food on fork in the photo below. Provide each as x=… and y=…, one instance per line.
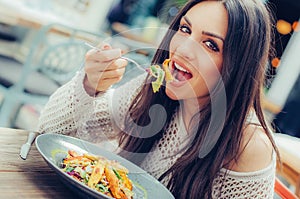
x=160, y=74
x=165, y=65
x=106, y=176
x=157, y=72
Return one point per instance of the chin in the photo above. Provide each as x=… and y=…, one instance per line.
x=171, y=94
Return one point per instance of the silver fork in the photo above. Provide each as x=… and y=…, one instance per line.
x=123, y=57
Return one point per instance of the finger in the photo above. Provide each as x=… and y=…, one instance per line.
x=105, y=75
x=99, y=47
x=117, y=64
x=96, y=67
x=104, y=55
x=104, y=85
x=96, y=73
x=112, y=73
x=108, y=66
x=98, y=83
x=105, y=46
x=102, y=45
x=91, y=67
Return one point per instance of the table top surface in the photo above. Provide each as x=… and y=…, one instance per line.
x=30, y=178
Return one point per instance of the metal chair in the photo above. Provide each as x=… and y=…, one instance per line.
x=283, y=191
x=289, y=148
x=55, y=54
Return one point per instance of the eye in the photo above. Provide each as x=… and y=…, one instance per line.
x=185, y=29
x=212, y=45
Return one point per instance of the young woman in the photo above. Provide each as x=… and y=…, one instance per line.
x=203, y=134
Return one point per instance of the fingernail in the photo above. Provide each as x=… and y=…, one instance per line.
x=106, y=46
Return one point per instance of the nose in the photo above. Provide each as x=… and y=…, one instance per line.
x=186, y=49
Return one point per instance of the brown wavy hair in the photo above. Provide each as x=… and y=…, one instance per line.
x=245, y=55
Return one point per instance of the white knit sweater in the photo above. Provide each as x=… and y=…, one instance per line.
x=70, y=107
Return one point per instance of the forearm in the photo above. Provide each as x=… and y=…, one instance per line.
x=71, y=106
x=72, y=111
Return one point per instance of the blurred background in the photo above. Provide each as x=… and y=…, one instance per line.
x=37, y=35
x=31, y=28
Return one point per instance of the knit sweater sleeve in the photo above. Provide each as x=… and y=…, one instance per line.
x=71, y=111
x=240, y=185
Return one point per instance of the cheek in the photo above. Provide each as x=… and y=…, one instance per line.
x=174, y=43
x=208, y=76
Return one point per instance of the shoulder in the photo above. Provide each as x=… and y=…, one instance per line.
x=255, y=151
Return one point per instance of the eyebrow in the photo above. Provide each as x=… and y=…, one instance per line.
x=213, y=35
x=187, y=20
x=204, y=32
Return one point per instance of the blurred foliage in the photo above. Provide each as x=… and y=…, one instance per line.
x=180, y=3
x=169, y=10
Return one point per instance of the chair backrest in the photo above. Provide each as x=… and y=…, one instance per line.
x=57, y=51
x=60, y=61
x=283, y=191
x=54, y=54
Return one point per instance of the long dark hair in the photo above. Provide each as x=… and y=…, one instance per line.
x=245, y=54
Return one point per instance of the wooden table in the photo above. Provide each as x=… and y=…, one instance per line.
x=30, y=178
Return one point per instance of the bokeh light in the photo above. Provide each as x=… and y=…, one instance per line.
x=275, y=62
x=283, y=27
x=296, y=26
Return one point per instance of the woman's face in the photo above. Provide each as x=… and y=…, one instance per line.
x=196, y=51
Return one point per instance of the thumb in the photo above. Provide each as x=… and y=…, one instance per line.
x=105, y=46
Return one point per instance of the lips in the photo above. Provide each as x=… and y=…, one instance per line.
x=180, y=73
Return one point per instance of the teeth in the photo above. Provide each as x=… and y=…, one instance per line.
x=180, y=68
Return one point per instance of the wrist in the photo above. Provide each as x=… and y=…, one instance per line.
x=89, y=89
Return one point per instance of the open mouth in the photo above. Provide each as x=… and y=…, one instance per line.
x=180, y=73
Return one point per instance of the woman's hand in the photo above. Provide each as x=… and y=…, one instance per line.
x=103, y=68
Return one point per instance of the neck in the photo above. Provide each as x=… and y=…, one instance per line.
x=189, y=108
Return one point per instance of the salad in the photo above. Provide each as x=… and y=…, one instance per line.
x=160, y=74
x=106, y=176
